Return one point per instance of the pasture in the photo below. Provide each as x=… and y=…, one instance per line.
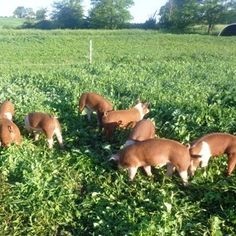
x=190, y=83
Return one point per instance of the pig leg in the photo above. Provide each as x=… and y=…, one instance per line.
x=194, y=164
x=99, y=117
x=231, y=163
x=170, y=169
x=184, y=176
x=148, y=170
x=36, y=136
x=57, y=132
x=49, y=135
x=132, y=172
x=27, y=124
x=88, y=112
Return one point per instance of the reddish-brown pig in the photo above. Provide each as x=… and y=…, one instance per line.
x=123, y=118
x=7, y=110
x=38, y=122
x=9, y=133
x=155, y=152
x=214, y=144
x=94, y=102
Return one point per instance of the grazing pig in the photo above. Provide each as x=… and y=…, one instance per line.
x=7, y=110
x=155, y=152
x=143, y=130
x=9, y=133
x=94, y=102
x=38, y=122
x=123, y=118
x=213, y=144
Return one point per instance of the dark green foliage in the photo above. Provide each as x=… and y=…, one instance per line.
x=110, y=14
x=180, y=14
x=68, y=14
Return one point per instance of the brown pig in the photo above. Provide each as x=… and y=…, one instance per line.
x=38, y=122
x=9, y=133
x=155, y=152
x=94, y=102
x=214, y=144
x=143, y=130
x=123, y=118
x=7, y=110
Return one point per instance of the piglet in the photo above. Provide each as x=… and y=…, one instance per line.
x=143, y=130
x=9, y=133
x=155, y=152
x=123, y=118
x=38, y=122
x=94, y=102
x=7, y=110
x=214, y=144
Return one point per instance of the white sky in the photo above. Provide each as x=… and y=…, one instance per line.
x=141, y=10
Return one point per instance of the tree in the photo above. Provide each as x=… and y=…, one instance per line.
x=179, y=14
x=215, y=11
x=20, y=12
x=41, y=14
x=68, y=14
x=29, y=13
x=110, y=14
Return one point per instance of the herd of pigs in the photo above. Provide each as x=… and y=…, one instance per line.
x=142, y=149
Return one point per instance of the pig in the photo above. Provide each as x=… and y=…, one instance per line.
x=94, y=102
x=38, y=122
x=143, y=130
x=213, y=144
x=123, y=118
x=9, y=133
x=155, y=152
x=7, y=110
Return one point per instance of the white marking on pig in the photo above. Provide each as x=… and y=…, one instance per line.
x=205, y=153
x=148, y=170
x=132, y=172
x=50, y=143
x=129, y=142
x=114, y=157
x=184, y=177
x=57, y=132
x=36, y=136
x=8, y=115
x=140, y=109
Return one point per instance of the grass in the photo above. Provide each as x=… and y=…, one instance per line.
x=10, y=22
x=189, y=81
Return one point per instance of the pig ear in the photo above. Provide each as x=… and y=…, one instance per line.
x=138, y=101
x=115, y=157
x=10, y=129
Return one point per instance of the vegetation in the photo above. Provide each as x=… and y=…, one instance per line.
x=110, y=14
x=175, y=16
x=189, y=81
x=10, y=22
x=179, y=14
x=68, y=14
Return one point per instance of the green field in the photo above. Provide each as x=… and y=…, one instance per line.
x=10, y=22
x=190, y=83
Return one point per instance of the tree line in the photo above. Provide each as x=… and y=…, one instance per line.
x=114, y=14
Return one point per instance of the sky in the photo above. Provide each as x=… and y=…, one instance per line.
x=141, y=10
